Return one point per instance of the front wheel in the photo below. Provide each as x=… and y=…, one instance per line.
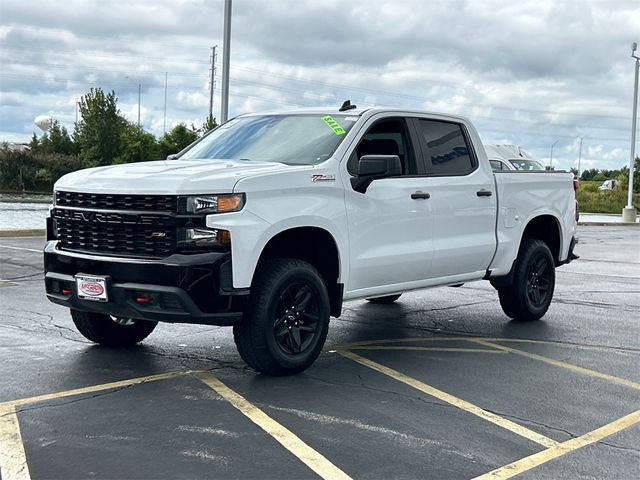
x=285, y=325
x=529, y=297
x=111, y=331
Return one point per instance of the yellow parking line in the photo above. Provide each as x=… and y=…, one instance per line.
x=561, y=449
x=310, y=457
x=558, y=363
x=559, y=343
x=94, y=388
x=13, y=461
x=428, y=349
x=450, y=399
x=387, y=341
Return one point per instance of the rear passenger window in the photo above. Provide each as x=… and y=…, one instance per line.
x=447, y=149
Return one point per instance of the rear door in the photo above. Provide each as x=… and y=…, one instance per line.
x=462, y=197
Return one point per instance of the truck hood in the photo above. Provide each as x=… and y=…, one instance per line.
x=168, y=176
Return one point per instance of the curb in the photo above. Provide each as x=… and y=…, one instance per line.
x=607, y=224
x=23, y=233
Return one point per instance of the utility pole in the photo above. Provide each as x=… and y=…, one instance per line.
x=212, y=82
x=139, y=91
x=628, y=212
x=551, y=156
x=579, y=157
x=164, y=118
x=226, y=54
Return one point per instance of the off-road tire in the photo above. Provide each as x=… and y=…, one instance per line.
x=262, y=338
x=386, y=300
x=104, y=330
x=529, y=296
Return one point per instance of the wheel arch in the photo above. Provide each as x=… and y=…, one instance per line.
x=547, y=228
x=316, y=246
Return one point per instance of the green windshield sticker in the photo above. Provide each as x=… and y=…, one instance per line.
x=333, y=125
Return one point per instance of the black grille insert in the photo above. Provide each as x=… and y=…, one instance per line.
x=102, y=201
x=133, y=240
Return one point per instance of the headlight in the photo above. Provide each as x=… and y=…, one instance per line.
x=203, y=238
x=215, y=203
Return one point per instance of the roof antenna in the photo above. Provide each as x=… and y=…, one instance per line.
x=347, y=106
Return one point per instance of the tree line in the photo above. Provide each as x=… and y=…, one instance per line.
x=102, y=137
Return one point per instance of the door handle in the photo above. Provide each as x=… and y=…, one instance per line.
x=420, y=195
x=484, y=193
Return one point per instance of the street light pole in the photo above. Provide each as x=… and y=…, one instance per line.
x=579, y=157
x=226, y=54
x=551, y=156
x=629, y=213
x=139, y=91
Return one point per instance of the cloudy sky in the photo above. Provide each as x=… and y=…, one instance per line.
x=526, y=72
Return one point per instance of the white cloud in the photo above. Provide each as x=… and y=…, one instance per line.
x=529, y=72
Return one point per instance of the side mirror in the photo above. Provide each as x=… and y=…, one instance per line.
x=375, y=167
x=173, y=156
x=386, y=165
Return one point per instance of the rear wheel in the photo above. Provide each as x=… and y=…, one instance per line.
x=111, y=331
x=529, y=297
x=386, y=300
x=286, y=323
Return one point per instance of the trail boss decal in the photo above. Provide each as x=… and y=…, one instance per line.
x=323, y=178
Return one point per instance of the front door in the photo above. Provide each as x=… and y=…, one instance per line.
x=391, y=224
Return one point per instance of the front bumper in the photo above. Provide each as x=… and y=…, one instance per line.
x=194, y=288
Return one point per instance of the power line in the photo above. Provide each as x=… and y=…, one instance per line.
x=476, y=117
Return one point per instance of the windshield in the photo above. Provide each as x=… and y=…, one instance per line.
x=290, y=139
x=520, y=164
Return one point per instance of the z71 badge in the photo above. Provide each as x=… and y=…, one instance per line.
x=323, y=178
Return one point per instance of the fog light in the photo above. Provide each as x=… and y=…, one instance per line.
x=205, y=237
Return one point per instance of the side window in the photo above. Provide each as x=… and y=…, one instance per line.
x=496, y=165
x=385, y=137
x=447, y=148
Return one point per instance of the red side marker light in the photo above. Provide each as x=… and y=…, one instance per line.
x=144, y=299
x=67, y=291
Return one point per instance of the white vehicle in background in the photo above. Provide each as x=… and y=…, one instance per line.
x=511, y=157
x=608, y=185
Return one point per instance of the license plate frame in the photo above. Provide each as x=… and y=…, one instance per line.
x=92, y=287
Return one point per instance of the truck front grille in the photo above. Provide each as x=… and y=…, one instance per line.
x=120, y=240
x=126, y=225
x=101, y=201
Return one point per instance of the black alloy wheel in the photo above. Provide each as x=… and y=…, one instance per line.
x=529, y=296
x=539, y=280
x=296, y=319
x=286, y=322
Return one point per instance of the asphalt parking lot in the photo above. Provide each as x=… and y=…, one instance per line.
x=439, y=385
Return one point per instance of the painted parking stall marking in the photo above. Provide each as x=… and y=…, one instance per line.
x=452, y=400
x=13, y=462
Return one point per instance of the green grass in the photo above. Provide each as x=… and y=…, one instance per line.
x=593, y=201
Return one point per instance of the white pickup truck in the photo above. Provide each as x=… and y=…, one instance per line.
x=271, y=221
